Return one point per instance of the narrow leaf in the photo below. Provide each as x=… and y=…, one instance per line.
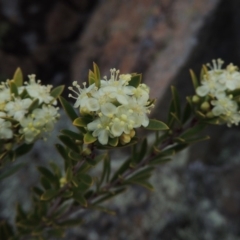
x=23, y=149
x=91, y=77
x=80, y=199
x=156, y=125
x=194, y=79
x=18, y=77
x=33, y=105
x=81, y=121
x=97, y=75
x=121, y=170
x=69, y=143
x=71, y=134
x=136, y=79
x=13, y=88
x=47, y=173
x=11, y=170
x=176, y=102
x=88, y=138
x=56, y=92
x=68, y=108
x=49, y=194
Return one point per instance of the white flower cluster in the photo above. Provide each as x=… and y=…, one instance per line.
x=17, y=121
x=117, y=107
x=219, y=84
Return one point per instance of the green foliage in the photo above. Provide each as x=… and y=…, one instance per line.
x=68, y=108
x=97, y=77
x=63, y=191
x=156, y=125
x=11, y=170
x=18, y=77
x=136, y=79
x=56, y=92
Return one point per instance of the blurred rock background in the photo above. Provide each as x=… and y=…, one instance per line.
x=197, y=195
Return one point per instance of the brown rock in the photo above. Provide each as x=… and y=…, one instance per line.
x=151, y=37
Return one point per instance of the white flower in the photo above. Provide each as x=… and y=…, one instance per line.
x=46, y=116
x=30, y=129
x=36, y=90
x=84, y=97
x=101, y=129
x=116, y=107
x=5, y=94
x=5, y=127
x=18, y=108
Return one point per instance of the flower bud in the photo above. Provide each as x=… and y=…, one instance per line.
x=195, y=99
x=210, y=115
x=86, y=152
x=62, y=181
x=125, y=138
x=205, y=106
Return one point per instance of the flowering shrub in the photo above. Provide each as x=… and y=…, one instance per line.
x=27, y=111
x=115, y=108
x=219, y=90
x=110, y=113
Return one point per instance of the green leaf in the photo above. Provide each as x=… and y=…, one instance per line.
x=176, y=102
x=49, y=194
x=121, y=170
x=156, y=125
x=80, y=199
x=57, y=91
x=45, y=183
x=56, y=169
x=97, y=75
x=197, y=139
x=11, y=170
x=193, y=131
x=109, y=195
x=88, y=138
x=96, y=160
x=71, y=134
x=13, y=88
x=69, y=143
x=142, y=183
x=18, y=77
x=171, y=119
x=86, y=179
x=69, y=174
x=82, y=121
x=75, y=156
x=47, y=174
x=6, y=231
x=33, y=105
x=194, y=79
x=136, y=79
x=113, y=141
x=106, y=170
x=62, y=151
x=37, y=191
x=23, y=149
x=142, y=174
x=91, y=77
x=58, y=233
x=70, y=223
x=204, y=71
x=67, y=194
x=68, y=108
x=103, y=209
x=159, y=160
x=187, y=112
